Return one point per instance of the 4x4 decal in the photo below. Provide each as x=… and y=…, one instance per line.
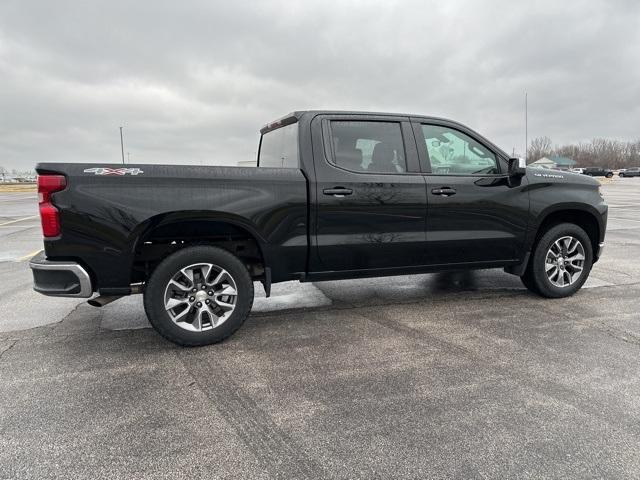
x=113, y=171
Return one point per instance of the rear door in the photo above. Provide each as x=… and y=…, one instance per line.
x=371, y=198
x=474, y=215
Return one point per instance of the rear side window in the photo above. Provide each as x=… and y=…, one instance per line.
x=279, y=148
x=368, y=147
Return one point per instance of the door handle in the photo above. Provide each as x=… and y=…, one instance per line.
x=444, y=191
x=338, y=191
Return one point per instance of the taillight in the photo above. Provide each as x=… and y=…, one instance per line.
x=48, y=184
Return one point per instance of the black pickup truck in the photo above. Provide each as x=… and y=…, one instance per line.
x=335, y=195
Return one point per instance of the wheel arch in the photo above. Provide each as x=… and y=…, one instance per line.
x=584, y=216
x=175, y=230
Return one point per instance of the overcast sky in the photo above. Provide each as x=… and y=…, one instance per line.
x=193, y=81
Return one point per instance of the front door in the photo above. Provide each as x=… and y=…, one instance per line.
x=371, y=198
x=474, y=214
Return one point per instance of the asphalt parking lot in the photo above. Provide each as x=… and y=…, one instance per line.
x=426, y=376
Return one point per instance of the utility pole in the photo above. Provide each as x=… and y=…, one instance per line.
x=526, y=127
x=122, y=144
x=128, y=161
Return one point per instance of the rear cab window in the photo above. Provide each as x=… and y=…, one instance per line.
x=368, y=146
x=279, y=148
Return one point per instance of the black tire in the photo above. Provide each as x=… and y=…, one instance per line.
x=609, y=175
x=621, y=175
x=527, y=281
x=535, y=277
x=154, y=295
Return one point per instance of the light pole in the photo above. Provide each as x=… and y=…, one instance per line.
x=122, y=144
x=526, y=127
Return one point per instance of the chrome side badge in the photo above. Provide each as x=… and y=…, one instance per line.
x=548, y=175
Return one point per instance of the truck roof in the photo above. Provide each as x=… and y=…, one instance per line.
x=295, y=116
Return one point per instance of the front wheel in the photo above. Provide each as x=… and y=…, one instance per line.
x=621, y=175
x=198, y=296
x=609, y=175
x=561, y=262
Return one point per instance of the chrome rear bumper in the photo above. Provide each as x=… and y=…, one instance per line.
x=60, y=278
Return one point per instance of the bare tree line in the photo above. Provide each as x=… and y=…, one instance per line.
x=5, y=171
x=599, y=152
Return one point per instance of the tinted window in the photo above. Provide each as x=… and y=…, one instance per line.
x=452, y=152
x=371, y=147
x=279, y=148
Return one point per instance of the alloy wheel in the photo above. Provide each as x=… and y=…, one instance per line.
x=200, y=297
x=564, y=262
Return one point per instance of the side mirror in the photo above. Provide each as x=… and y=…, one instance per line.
x=517, y=167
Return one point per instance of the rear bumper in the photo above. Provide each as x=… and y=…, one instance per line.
x=600, y=250
x=60, y=278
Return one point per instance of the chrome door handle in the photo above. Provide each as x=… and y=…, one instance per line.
x=338, y=191
x=444, y=191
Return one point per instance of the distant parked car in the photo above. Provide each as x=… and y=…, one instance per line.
x=598, y=172
x=630, y=172
x=577, y=170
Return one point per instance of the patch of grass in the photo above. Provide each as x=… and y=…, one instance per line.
x=18, y=187
x=605, y=181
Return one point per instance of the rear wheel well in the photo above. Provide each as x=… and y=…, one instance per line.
x=584, y=220
x=158, y=242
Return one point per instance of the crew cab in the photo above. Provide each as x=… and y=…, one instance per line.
x=335, y=195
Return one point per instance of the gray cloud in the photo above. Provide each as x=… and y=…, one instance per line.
x=193, y=81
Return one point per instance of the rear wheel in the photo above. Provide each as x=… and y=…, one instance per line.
x=198, y=296
x=560, y=263
x=609, y=175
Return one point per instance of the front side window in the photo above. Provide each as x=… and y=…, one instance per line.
x=453, y=153
x=368, y=147
x=279, y=148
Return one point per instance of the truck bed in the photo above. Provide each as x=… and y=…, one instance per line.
x=105, y=212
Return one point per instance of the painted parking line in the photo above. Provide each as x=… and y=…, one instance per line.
x=15, y=199
x=624, y=219
x=29, y=256
x=21, y=226
x=18, y=220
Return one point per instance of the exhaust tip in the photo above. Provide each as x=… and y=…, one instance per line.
x=103, y=300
